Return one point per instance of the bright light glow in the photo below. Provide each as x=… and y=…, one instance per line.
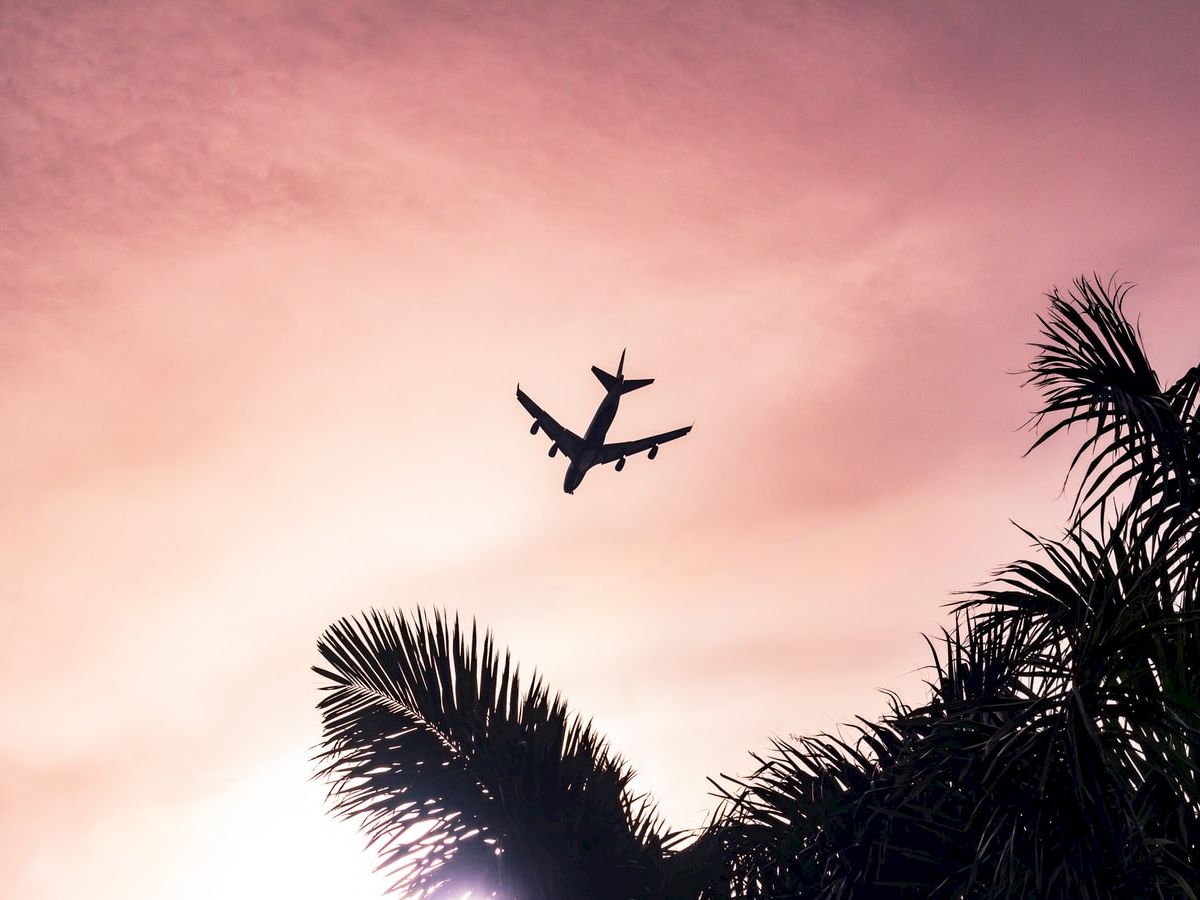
x=265, y=836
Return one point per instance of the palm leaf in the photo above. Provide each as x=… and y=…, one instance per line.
x=464, y=780
x=1092, y=370
x=1106, y=739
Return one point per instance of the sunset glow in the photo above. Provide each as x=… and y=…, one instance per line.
x=271, y=272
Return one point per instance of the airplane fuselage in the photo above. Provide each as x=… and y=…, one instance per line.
x=593, y=440
x=597, y=431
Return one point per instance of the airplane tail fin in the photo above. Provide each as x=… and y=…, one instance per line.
x=619, y=381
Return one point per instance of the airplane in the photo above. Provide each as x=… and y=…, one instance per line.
x=590, y=450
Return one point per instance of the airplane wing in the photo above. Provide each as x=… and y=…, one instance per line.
x=567, y=440
x=612, y=452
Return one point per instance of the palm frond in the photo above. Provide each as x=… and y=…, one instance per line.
x=1092, y=370
x=1106, y=722
x=462, y=779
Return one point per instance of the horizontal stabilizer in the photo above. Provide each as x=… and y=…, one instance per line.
x=609, y=381
x=633, y=384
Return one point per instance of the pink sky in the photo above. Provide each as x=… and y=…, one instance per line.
x=269, y=274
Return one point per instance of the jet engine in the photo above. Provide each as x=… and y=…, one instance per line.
x=653, y=452
x=533, y=429
x=553, y=449
x=620, y=464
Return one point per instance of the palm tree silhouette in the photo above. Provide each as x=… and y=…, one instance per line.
x=1057, y=754
x=465, y=780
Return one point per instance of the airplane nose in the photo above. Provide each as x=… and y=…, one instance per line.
x=572, y=480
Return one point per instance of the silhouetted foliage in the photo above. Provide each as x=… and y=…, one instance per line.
x=1057, y=755
x=462, y=779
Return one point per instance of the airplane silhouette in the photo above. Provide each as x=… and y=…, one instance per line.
x=590, y=450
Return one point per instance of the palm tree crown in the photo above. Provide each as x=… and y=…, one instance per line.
x=462, y=777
